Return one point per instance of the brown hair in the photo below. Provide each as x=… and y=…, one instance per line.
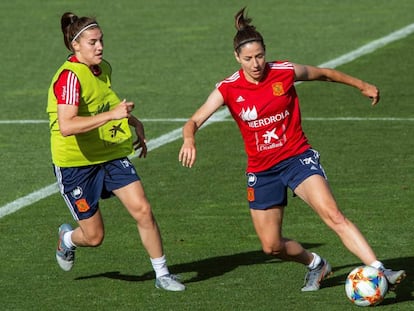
x=72, y=26
x=245, y=32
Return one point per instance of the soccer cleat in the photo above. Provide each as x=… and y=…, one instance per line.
x=169, y=282
x=65, y=256
x=394, y=277
x=314, y=277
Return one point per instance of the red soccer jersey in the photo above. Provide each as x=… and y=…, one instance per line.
x=67, y=87
x=267, y=114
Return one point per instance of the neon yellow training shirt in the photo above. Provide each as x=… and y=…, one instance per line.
x=108, y=142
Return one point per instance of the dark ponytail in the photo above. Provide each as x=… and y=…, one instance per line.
x=245, y=32
x=72, y=25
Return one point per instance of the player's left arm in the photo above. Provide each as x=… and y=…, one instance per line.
x=140, y=142
x=312, y=73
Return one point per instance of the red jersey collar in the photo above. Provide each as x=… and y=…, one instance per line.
x=95, y=69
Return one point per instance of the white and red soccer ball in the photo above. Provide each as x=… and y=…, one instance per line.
x=366, y=286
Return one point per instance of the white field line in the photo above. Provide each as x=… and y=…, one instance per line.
x=357, y=119
x=218, y=116
x=182, y=120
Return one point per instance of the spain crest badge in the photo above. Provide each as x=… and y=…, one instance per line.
x=278, y=89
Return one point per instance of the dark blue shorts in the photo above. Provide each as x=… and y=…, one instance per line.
x=269, y=188
x=83, y=187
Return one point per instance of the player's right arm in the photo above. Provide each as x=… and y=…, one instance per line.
x=71, y=124
x=188, y=152
x=67, y=92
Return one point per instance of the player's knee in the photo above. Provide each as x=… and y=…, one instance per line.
x=337, y=218
x=273, y=249
x=95, y=239
x=143, y=213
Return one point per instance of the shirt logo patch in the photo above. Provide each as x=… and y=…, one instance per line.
x=82, y=205
x=248, y=114
x=269, y=136
x=240, y=99
x=115, y=129
x=250, y=194
x=278, y=89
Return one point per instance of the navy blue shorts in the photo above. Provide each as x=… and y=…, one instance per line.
x=269, y=188
x=83, y=187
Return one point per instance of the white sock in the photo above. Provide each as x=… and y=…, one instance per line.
x=160, y=266
x=67, y=240
x=315, y=261
x=377, y=265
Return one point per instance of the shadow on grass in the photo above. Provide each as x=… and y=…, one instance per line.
x=204, y=268
x=220, y=265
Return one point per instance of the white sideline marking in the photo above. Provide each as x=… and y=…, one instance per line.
x=370, y=47
x=357, y=119
x=182, y=120
x=23, y=121
x=218, y=116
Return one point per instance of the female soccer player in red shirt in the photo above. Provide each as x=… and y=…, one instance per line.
x=261, y=98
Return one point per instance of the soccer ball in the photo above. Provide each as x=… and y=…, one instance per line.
x=366, y=286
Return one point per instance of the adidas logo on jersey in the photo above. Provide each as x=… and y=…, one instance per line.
x=240, y=99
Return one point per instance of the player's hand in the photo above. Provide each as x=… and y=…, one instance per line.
x=372, y=92
x=123, y=110
x=140, y=142
x=187, y=155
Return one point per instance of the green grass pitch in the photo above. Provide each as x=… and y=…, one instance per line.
x=167, y=57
